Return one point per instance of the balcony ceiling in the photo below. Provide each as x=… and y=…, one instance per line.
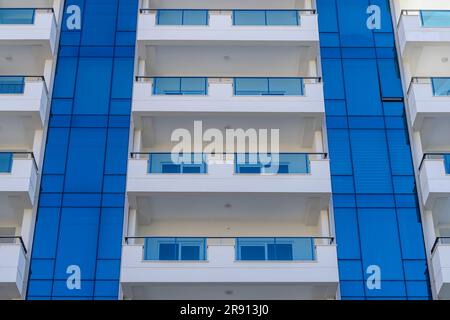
x=275, y=208
x=26, y=3
x=17, y=132
x=228, y=61
x=22, y=59
x=296, y=132
x=435, y=134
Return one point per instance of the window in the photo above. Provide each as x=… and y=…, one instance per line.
x=16, y=16
x=6, y=160
x=447, y=163
x=275, y=249
x=283, y=163
x=9, y=85
x=180, y=86
x=193, y=163
x=175, y=249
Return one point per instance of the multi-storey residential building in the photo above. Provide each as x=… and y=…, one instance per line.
x=250, y=149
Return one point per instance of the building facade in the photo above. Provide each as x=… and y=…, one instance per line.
x=154, y=149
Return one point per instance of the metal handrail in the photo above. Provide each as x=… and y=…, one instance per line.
x=127, y=238
x=29, y=154
x=426, y=156
x=437, y=241
x=312, y=79
x=323, y=154
x=148, y=10
x=16, y=238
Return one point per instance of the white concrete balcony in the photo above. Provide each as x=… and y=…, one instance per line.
x=434, y=174
x=12, y=268
x=236, y=26
x=420, y=28
x=440, y=260
x=29, y=27
x=18, y=176
x=222, y=270
x=22, y=97
x=220, y=95
x=308, y=174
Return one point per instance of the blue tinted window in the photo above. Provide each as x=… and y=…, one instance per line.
x=183, y=164
x=168, y=251
x=193, y=249
x=282, y=18
x=447, y=163
x=269, y=17
x=182, y=17
x=279, y=252
x=170, y=17
x=268, y=86
x=253, y=253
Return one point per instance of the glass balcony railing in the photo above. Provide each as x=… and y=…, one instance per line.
x=435, y=18
x=192, y=163
x=175, y=249
x=441, y=86
x=246, y=248
x=283, y=163
x=6, y=161
x=16, y=16
x=180, y=86
x=182, y=17
x=12, y=85
x=266, y=18
x=447, y=163
x=275, y=249
x=268, y=87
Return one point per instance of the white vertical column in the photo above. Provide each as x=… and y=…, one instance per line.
x=324, y=223
x=141, y=68
x=37, y=145
x=48, y=70
x=132, y=220
x=145, y=4
x=430, y=231
x=26, y=230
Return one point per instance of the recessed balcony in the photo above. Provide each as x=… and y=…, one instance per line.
x=12, y=267
x=232, y=26
x=24, y=100
x=308, y=174
x=240, y=95
x=18, y=177
x=223, y=268
x=29, y=27
x=434, y=174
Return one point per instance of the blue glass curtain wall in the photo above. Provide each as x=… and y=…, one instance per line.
x=80, y=215
x=376, y=213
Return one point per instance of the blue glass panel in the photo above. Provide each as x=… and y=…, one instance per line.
x=286, y=86
x=193, y=86
x=441, y=86
x=170, y=17
x=16, y=16
x=447, y=163
x=195, y=17
x=175, y=249
x=435, y=18
x=282, y=18
x=268, y=86
x=251, y=86
x=283, y=163
x=249, y=17
x=6, y=160
x=286, y=249
x=178, y=86
x=12, y=85
x=173, y=163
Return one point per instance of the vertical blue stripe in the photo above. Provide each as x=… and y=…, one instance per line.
x=376, y=211
x=81, y=205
